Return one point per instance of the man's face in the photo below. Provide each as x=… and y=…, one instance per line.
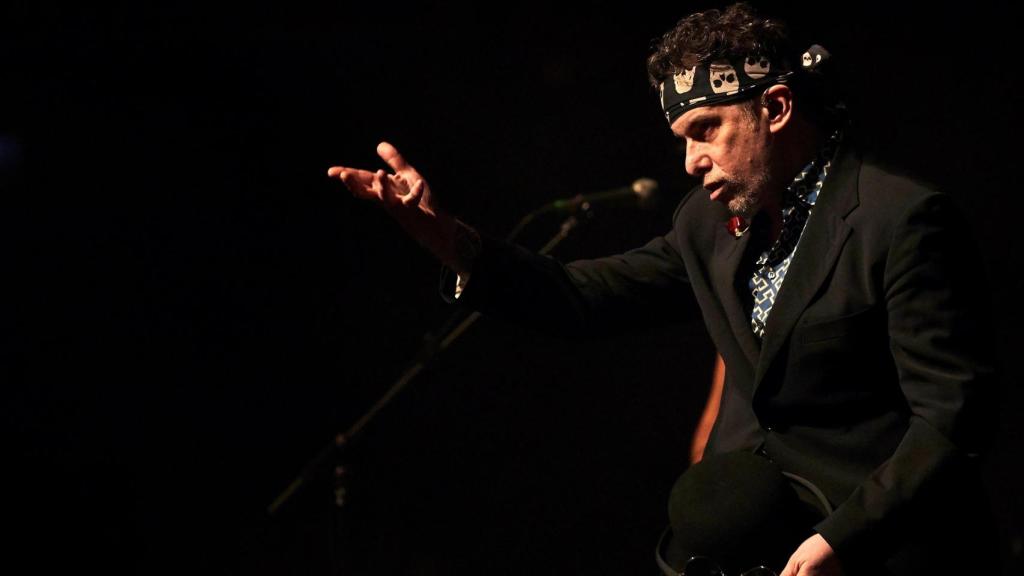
x=728, y=149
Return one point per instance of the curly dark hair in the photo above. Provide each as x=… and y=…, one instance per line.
x=734, y=33
x=715, y=34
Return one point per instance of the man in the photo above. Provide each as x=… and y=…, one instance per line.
x=840, y=296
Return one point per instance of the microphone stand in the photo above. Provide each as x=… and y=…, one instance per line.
x=456, y=325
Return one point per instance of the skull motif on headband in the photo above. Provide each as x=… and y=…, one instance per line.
x=724, y=80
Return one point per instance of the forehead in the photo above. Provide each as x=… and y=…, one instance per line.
x=690, y=117
x=718, y=113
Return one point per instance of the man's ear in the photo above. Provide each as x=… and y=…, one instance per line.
x=777, y=101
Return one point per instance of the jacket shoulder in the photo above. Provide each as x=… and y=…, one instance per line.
x=884, y=185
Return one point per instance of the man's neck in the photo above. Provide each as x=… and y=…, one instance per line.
x=796, y=149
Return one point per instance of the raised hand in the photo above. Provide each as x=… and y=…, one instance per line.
x=406, y=195
x=406, y=188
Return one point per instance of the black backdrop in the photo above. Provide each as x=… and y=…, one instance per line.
x=196, y=309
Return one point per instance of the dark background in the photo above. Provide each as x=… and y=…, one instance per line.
x=195, y=309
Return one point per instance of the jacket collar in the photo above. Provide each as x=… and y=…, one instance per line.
x=822, y=241
x=725, y=262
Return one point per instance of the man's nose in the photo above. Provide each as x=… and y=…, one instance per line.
x=698, y=162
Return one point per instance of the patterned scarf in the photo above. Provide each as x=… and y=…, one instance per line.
x=798, y=201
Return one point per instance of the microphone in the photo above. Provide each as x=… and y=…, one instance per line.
x=642, y=190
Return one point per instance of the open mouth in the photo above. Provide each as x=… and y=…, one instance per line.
x=715, y=189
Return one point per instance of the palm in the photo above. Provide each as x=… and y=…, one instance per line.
x=405, y=188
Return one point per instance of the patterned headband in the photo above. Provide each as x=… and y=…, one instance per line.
x=722, y=81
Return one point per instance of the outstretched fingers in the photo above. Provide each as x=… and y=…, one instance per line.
x=359, y=182
x=404, y=188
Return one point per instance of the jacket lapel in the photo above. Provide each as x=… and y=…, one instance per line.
x=819, y=247
x=724, y=264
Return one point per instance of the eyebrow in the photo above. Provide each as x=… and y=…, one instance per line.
x=704, y=116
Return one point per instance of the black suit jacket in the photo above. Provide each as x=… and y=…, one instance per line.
x=872, y=375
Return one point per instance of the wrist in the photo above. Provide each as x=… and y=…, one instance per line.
x=466, y=248
x=451, y=241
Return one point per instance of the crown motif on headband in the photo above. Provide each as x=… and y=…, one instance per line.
x=722, y=81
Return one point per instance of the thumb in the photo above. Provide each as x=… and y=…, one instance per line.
x=390, y=154
x=791, y=569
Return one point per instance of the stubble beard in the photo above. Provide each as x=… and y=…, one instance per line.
x=747, y=201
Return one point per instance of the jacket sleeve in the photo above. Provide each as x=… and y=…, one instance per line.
x=940, y=341
x=639, y=286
